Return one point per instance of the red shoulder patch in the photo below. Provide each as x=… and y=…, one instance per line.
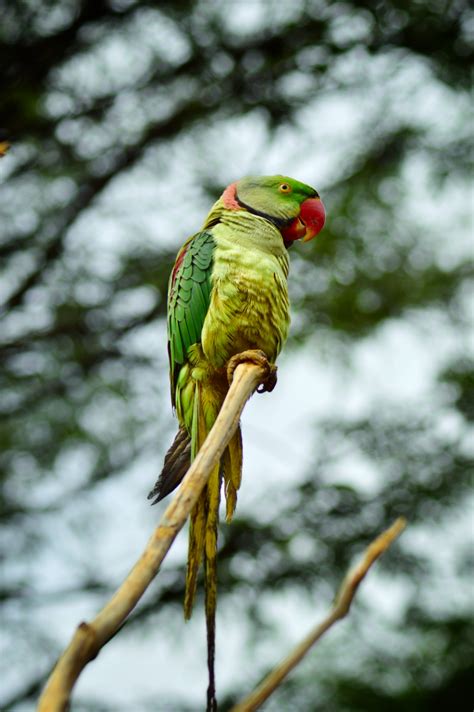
x=229, y=197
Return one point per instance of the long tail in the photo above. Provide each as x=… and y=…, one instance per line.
x=204, y=521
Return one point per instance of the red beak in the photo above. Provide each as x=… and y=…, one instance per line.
x=313, y=215
x=309, y=222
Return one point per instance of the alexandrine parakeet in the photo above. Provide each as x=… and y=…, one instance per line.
x=227, y=294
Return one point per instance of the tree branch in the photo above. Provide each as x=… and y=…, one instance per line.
x=338, y=611
x=89, y=638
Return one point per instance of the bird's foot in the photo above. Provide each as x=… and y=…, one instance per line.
x=257, y=357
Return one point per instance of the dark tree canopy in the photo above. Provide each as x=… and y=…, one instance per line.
x=126, y=120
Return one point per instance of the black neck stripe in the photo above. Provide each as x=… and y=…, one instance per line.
x=278, y=222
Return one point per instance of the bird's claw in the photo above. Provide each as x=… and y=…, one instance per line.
x=259, y=358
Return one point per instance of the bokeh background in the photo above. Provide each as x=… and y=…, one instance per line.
x=127, y=119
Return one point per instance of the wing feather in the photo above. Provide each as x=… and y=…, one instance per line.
x=188, y=299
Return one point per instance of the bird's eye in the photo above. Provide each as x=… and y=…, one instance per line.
x=284, y=188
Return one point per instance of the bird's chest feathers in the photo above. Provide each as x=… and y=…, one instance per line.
x=249, y=301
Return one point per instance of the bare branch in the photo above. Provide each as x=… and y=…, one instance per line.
x=338, y=611
x=89, y=638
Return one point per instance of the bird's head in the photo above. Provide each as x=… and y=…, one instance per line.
x=293, y=207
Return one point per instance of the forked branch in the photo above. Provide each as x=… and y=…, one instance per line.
x=89, y=638
x=338, y=611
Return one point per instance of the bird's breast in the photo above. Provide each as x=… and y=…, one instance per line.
x=249, y=306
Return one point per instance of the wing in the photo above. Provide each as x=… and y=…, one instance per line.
x=188, y=299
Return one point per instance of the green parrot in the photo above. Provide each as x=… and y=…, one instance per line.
x=227, y=294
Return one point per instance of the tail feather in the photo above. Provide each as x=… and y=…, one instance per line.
x=175, y=466
x=203, y=405
x=197, y=535
x=198, y=519
x=232, y=470
x=204, y=529
x=210, y=574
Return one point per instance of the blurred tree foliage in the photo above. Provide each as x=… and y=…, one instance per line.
x=100, y=96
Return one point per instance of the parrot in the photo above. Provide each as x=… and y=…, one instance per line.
x=227, y=294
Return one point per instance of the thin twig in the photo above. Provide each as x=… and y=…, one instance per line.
x=338, y=611
x=89, y=638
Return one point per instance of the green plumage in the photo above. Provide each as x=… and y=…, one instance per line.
x=188, y=300
x=227, y=293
